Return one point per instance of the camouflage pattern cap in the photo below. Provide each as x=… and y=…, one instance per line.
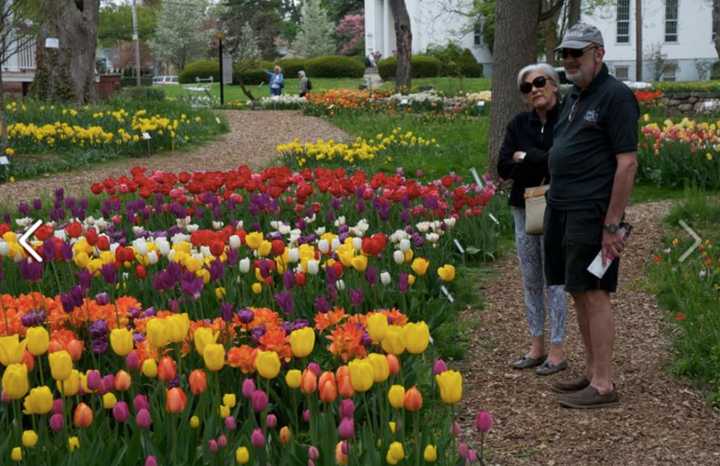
x=580, y=36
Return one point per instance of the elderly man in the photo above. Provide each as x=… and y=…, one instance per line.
x=592, y=166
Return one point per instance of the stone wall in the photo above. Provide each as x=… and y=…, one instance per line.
x=690, y=103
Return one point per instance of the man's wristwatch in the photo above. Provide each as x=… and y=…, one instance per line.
x=611, y=228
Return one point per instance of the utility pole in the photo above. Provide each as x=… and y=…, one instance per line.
x=136, y=38
x=638, y=41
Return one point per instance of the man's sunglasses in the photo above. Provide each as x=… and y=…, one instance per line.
x=574, y=53
x=537, y=83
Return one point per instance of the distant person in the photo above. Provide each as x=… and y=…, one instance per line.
x=376, y=57
x=276, y=81
x=524, y=159
x=305, y=84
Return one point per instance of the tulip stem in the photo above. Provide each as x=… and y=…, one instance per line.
x=40, y=371
x=416, y=428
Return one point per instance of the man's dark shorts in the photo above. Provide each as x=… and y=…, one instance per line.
x=572, y=240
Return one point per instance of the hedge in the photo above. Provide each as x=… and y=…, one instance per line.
x=200, y=69
x=421, y=67
x=687, y=86
x=252, y=72
x=334, y=66
x=291, y=66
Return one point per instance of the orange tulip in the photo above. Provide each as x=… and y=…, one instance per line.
x=55, y=345
x=166, y=369
x=198, y=381
x=413, y=400
x=308, y=382
x=29, y=360
x=345, y=386
x=285, y=435
x=393, y=363
x=326, y=376
x=175, y=400
x=75, y=347
x=83, y=416
x=328, y=391
x=122, y=381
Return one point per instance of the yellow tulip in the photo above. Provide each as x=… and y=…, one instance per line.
x=11, y=350
x=264, y=248
x=109, y=400
x=149, y=368
x=267, y=364
x=242, y=455
x=397, y=451
x=229, y=400
x=254, y=239
x=377, y=326
x=446, y=273
x=202, y=337
x=15, y=383
x=394, y=340
x=121, y=341
x=430, y=453
x=60, y=365
x=420, y=266
x=214, y=356
x=39, y=401
x=256, y=287
x=194, y=422
x=16, y=454
x=292, y=378
x=393, y=426
x=396, y=396
x=381, y=368
x=223, y=411
x=417, y=337
x=73, y=443
x=302, y=341
x=450, y=384
x=178, y=327
x=38, y=340
x=359, y=263
x=408, y=255
x=71, y=385
x=361, y=375
x=157, y=332
x=29, y=438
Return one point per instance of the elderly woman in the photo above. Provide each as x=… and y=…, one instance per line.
x=524, y=159
x=303, y=83
x=276, y=80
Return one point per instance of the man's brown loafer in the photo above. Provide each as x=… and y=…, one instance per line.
x=570, y=387
x=589, y=398
x=526, y=362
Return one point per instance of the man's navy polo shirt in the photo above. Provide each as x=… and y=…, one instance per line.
x=595, y=125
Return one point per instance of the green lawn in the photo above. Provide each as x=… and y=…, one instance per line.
x=450, y=86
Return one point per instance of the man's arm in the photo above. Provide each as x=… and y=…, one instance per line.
x=622, y=187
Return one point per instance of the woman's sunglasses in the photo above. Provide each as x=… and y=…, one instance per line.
x=538, y=83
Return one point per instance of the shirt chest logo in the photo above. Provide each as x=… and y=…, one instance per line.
x=592, y=116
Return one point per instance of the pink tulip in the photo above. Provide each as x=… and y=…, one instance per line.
x=257, y=438
x=94, y=379
x=248, y=388
x=345, y=447
x=108, y=384
x=311, y=463
x=150, y=461
x=58, y=406
x=315, y=368
x=456, y=428
x=306, y=415
x=259, y=400
x=347, y=408
x=222, y=441
x=56, y=422
x=140, y=402
x=313, y=453
x=271, y=421
x=121, y=411
x=230, y=423
x=132, y=360
x=471, y=456
x=143, y=419
x=346, y=429
x=213, y=446
x=483, y=421
x=439, y=367
x=463, y=450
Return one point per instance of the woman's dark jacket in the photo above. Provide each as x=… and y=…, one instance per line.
x=526, y=133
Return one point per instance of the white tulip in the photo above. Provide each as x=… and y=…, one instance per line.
x=404, y=244
x=60, y=234
x=244, y=265
x=357, y=243
x=385, y=278
x=398, y=257
x=140, y=246
x=192, y=228
x=313, y=267
x=335, y=244
x=152, y=257
x=235, y=241
x=324, y=246
x=216, y=224
x=293, y=255
x=4, y=248
x=340, y=285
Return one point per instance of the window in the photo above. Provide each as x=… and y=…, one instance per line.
x=669, y=72
x=623, y=21
x=622, y=73
x=671, y=20
x=477, y=34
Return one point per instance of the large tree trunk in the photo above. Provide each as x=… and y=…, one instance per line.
x=515, y=46
x=403, y=39
x=716, y=24
x=67, y=73
x=574, y=12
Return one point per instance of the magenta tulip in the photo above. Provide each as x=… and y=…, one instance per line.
x=222, y=441
x=140, y=402
x=151, y=461
x=121, y=411
x=143, y=419
x=94, y=379
x=257, y=438
x=306, y=415
x=259, y=400
x=213, y=446
x=483, y=421
x=230, y=423
x=439, y=367
x=248, y=388
x=315, y=368
x=56, y=422
x=313, y=453
x=347, y=408
x=346, y=429
x=58, y=406
x=271, y=421
x=132, y=360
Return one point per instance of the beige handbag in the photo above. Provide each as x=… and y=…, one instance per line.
x=535, y=209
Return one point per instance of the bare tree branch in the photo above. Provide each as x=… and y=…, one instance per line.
x=553, y=8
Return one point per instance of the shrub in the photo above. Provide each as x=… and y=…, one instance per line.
x=142, y=93
x=291, y=66
x=252, y=73
x=200, y=69
x=334, y=66
x=421, y=66
x=715, y=72
x=469, y=67
x=456, y=61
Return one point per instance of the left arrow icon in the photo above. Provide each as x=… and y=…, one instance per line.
x=23, y=241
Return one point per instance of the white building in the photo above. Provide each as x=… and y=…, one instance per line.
x=18, y=67
x=677, y=35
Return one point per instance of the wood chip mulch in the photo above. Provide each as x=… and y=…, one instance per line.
x=661, y=420
x=252, y=139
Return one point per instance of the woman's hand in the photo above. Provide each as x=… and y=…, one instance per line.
x=519, y=156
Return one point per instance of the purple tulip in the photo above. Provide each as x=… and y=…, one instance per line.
x=483, y=421
x=315, y=368
x=347, y=408
x=257, y=438
x=56, y=422
x=306, y=415
x=284, y=301
x=58, y=406
x=439, y=367
x=226, y=311
x=102, y=298
x=248, y=388
x=371, y=275
x=151, y=461
x=140, y=401
x=259, y=400
x=356, y=296
x=271, y=421
x=230, y=423
x=346, y=429
x=132, y=360
x=108, y=383
x=403, y=283
x=322, y=304
x=143, y=419
x=94, y=379
x=246, y=316
x=121, y=411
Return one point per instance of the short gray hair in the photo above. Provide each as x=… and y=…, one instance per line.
x=544, y=68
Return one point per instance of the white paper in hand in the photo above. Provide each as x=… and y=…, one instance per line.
x=596, y=267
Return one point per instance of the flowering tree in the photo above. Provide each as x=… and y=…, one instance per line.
x=245, y=46
x=316, y=31
x=181, y=32
x=351, y=32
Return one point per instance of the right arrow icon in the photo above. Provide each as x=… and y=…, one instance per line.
x=694, y=246
x=23, y=241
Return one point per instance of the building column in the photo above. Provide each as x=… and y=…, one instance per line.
x=386, y=28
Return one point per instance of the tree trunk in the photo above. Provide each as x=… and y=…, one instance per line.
x=516, y=43
x=403, y=39
x=716, y=24
x=574, y=12
x=550, y=38
x=68, y=72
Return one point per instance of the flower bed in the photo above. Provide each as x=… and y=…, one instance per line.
x=161, y=326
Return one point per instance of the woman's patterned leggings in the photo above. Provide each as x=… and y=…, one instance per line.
x=531, y=255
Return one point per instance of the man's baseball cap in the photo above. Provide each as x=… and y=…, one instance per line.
x=580, y=36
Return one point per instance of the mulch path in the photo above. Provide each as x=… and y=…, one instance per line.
x=252, y=139
x=661, y=419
